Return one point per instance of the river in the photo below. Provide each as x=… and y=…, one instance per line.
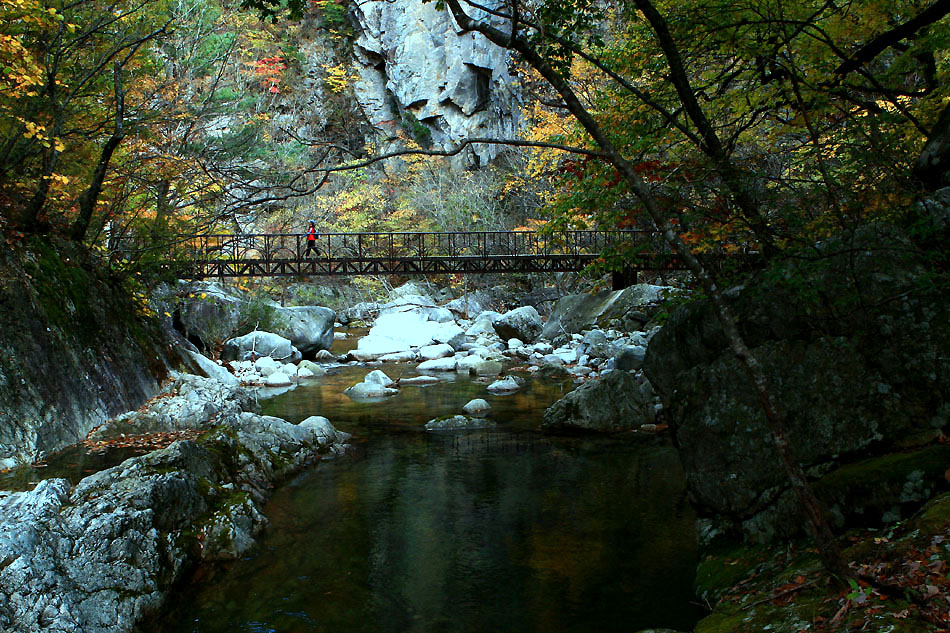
x=498, y=530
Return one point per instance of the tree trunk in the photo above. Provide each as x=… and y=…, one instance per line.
x=29, y=218
x=933, y=165
x=90, y=197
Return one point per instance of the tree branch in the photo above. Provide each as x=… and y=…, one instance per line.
x=891, y=38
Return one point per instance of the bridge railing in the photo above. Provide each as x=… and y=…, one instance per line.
x=408, y=244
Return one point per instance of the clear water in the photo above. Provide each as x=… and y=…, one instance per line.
x=499, y=530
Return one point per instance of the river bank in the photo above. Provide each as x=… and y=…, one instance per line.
x=901, y=584
x=101, y=555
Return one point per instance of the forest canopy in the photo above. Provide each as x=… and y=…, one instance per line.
x=758, y=126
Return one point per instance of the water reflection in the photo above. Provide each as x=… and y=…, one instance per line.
x=414, y=405
x=502, y=530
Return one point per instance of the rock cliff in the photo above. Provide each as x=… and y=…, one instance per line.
x=74, y=350
x=417, y=71
x=857, y=348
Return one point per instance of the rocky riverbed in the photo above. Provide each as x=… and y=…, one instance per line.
x=587, y=343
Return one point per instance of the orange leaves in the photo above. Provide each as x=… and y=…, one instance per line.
x=269, y=70
x=143, y=443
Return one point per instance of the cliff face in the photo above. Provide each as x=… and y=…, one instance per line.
x=417, y=71
x=856, y=348
x=73, y=350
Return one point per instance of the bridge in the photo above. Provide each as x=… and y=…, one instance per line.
x=411, y=253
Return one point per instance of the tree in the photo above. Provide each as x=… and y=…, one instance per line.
x=510, y=37
x=713, y=92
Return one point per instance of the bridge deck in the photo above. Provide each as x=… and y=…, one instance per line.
x=407, y=253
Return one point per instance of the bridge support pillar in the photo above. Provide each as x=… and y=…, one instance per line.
x=624, y=278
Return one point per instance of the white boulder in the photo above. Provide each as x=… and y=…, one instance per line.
x=476, y=407
x=448, y=363
x=266, y=366
x=440, y=350
x=508, y=384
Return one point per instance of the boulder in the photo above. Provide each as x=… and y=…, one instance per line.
x=392, y=333
x=522, y=323
x=376, y=384
x=378, y=377
x=440, y=364
x=449, y=333
x=479, y=366
x=632, y=307
x=210, y=311
x=212, y=370
x=278, y=379
x=325, y=356
x=858, y=383
x=362, y=390
x=612, y=403
x=266, y=366
x=398, y=357
x=566, y=355
x=477, y=407
x=323, y=432
x=424, y=306
x=598, y=345
x=469, y=305
x=409, y=289
x=630, y=357
x=422, y=381
x=458, y=423
x=257, y=344
x=552, y=371
x=508, y=384
x=311, y=366
x=432, y=352
x=542, y=348
x=309, y=328
x=365, y=311
x=483, y=324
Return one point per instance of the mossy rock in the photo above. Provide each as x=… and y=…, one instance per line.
x=880, y=488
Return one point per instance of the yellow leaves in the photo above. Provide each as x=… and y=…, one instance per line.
x=37, y=131
x=33, y=130
x=337, y=79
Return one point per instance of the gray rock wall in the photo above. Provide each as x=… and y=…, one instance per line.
x=74, y=350
x=412, y=61
x=857, y=350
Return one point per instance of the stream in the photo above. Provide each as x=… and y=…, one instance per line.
x=496, y=530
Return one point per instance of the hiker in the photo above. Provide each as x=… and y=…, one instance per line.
x=311, y=240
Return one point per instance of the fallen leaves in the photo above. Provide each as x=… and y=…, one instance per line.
x=143, y=443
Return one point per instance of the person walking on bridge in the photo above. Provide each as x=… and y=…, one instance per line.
x=311, y=240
